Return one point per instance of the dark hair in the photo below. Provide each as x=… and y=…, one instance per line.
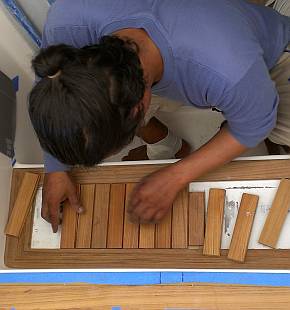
x=84, y=113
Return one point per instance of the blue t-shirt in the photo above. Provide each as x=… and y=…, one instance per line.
x=216, y=53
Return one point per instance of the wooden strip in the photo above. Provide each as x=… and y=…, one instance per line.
x=277, y=215
x=145, y=297
x=131, y=230
x=237, y=170
x=180, y=221
x=147, y=236
x=196, y=214
x=163, y=232
x=101, y=215
x=233, y=171
x=214, y=223
x=116, y=216
x=84, y=231
x=23, y=204
x=243, y=227
x=69, y=225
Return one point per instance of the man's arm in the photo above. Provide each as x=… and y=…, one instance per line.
x=222, y=148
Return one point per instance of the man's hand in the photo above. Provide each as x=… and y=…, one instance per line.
x=57, y=187
x=154, y=195
x=152, y=198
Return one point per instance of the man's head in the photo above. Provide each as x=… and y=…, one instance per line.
x=88, y=103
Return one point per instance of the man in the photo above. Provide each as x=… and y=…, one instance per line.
x=208, y=53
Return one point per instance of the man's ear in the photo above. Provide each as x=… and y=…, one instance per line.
x=137, y=108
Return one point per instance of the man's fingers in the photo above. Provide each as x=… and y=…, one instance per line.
x=160, y=215
x=75, y=203
x=54, y=218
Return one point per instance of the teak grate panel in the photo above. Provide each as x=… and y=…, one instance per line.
x=18, y=253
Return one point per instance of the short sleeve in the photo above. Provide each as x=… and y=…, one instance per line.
x=250, y=107
x=51, y=164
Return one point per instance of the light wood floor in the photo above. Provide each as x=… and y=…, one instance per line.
x=183, y=296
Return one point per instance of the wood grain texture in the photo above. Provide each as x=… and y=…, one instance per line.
x=101, y=215
x=69, y=225
x=17, y=256
x=116, y=216
x=196, y=217
x=214, y=222
x=147, y=236
x=147, y=297
x=131, y=230
x=85, y=220
x=23, y=204
x=163, y=232
x=277, y=215
x=233, y=171
x=180, y=221
x=243, y=227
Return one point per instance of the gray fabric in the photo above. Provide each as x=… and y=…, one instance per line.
x=7, y=115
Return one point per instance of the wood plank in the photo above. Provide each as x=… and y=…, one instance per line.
x=214, y=223
x=196, y=217
x=69, y=225
x=85, y=220
x=237, y=170
x=163, y=232
x=151, y=297
x=180, y=221
x=147, y=236
x=101, y=215
x=116, y=216
x=277, y=215
x=243, y=227
x=23, y=204
x=131, y=230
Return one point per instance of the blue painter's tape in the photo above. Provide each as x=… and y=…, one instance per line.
x=114, y=278
x=116, y=308
x=265, y=279
x=18, y=13
x=148, y=278
x=171, y=277
x=15, y=82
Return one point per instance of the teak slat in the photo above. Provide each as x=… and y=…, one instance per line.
x=69, y=225
x=277, y=215
x=163, y=232
x=131, y=230
x=180, y=221
x=116, y=216
x=196, y=216
x=147, y=236
x=85, y=220
x=101, y=214
x=214, y=223
x=243, y=227
x=23, y=204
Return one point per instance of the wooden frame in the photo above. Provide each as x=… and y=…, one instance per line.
x=18, y=253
